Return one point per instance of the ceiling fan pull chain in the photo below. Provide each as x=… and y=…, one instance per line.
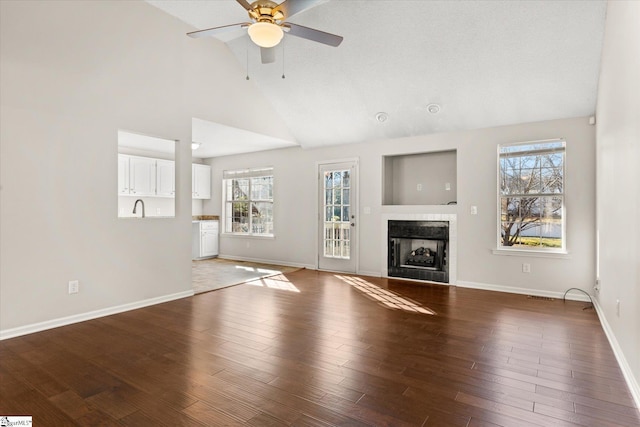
x=247, y=58
x=283, y=58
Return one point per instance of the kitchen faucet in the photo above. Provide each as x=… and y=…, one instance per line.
x=136, y=205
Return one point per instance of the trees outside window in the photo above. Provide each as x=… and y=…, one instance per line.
x=249, y=201
x=531, y=194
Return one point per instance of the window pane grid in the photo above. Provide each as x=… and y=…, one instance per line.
x=531, y=195
x=249, y=205
x=337, y=226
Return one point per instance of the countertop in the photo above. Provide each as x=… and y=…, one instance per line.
x=205, y=218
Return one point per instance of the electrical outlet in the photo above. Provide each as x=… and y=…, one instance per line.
x=447, y=186
x=474, y=210
x=419, y=187
x=74, y=286
x=526, y=267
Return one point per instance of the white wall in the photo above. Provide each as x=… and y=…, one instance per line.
x=432, y=171
x=296, y=205
x=72, y=74
x=618, y=182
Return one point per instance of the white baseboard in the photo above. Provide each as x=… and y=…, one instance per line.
x=369, y=273
x=572, y=296
x=267, y=261
x=76, y=318
x=634, y=386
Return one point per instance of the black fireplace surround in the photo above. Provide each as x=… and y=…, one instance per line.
x=418, y=250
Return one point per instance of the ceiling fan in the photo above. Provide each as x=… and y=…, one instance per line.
x=268, y=25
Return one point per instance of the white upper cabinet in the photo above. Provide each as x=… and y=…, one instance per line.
x=165, y=178
x=123, y=175
x=145, y=176
x=201, y=181
x=142, y=176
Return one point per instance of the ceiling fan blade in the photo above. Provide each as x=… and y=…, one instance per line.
x=245, y=4
x=291, y=7
x=217, y=30
x=314, y=35
x=268, y=55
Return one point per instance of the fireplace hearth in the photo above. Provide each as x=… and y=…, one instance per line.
x=418, y=250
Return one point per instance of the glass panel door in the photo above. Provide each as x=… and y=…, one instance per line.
x=337, y=225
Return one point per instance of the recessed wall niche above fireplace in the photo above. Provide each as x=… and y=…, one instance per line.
x=421, y=247
x=420, y=179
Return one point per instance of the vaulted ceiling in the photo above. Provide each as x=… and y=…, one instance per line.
x=484, y=63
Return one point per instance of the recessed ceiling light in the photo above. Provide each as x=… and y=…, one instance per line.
x=433, y=108
x=382, y=117
x=195, y=145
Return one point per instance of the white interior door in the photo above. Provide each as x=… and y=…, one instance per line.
x=338, y=220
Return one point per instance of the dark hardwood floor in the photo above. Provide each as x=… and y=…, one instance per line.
x=319, y=349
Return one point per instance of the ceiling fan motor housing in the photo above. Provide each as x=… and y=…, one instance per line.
x=267, y=26
x=265, y=11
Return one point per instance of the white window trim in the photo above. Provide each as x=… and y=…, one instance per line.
x=532, y=252
x=244, y=173
x=539, y=253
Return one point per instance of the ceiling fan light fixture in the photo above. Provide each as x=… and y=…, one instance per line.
x=265, y=34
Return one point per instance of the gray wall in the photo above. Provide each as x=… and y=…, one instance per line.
x=432, y=171
x=72, y=74
x=618, y=208
x=296, y=205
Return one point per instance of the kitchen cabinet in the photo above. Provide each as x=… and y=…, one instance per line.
x=146, y=176
x=204, y=242
x=165, y=178
x=142, y=176
x=123, y=175
x=200, y=181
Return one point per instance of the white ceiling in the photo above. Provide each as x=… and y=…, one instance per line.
x=220, y=140
x=486, y=63
x=145, y=142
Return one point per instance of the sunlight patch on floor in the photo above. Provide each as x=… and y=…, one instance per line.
x=384, y=296
x=279, y=282
x=257, y=269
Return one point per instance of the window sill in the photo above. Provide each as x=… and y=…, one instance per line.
x=530, y=253
x=249, y=236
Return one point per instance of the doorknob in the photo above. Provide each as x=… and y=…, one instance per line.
x=353, y=224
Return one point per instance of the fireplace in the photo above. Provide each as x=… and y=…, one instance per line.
x=418, y=250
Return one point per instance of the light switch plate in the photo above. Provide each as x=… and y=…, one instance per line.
x=474, y=210
x=74, y=286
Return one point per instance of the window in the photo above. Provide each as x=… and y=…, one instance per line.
x=531, y=196
x=248, y=196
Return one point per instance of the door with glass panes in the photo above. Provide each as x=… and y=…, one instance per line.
x=337, y=225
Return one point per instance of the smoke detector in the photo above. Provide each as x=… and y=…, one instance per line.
x=382, y=117
x=433, y=108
